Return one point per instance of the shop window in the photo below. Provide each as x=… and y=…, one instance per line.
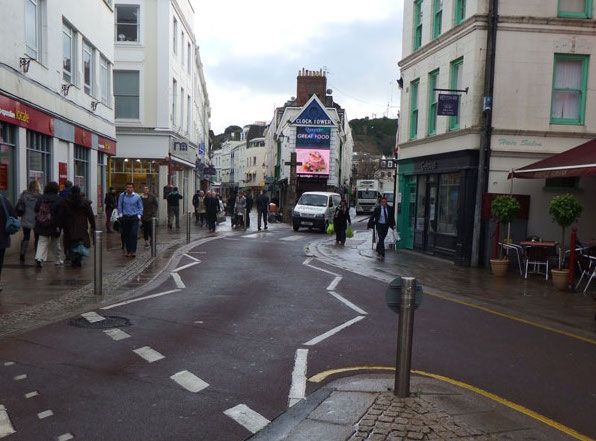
x=448, y=204
x=437, y=17
x=127, y=23
x=126, y=94
x=33, y=18
x=39, y=158
x=7, y=160
x=575, y=8
x=460, y=11
x=68, y=53
x=432, y=102
x=570, y=83
x=81, y=168
x=417, y=24
x=414, y=109
x=455, y=82
x=88, y=68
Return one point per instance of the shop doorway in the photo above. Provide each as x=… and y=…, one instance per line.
x=426, y=214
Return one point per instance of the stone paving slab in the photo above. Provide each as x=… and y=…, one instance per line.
x=343, y=407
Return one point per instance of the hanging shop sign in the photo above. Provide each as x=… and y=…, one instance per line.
x=448, y=105
x=83, y=137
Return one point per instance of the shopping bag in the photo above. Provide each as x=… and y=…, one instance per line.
x=349, y=232
x=114, y=216
x=330, y=229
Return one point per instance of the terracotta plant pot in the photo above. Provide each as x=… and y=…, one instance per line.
x=560, y=279
x=499, y=267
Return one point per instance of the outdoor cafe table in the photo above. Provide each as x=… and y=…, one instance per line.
x=538, y=243
x=537, y=253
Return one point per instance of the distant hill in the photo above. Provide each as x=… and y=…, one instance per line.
x=375, y=136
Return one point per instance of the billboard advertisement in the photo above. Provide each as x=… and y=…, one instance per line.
x=313, y=137
x=314, y=161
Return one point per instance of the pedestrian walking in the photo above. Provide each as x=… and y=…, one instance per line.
x=198, y=201
x=382, y=220
x=262, y=208
x=231, y=206
x=130, y=210
x=211, y=207
x=109, y=203
x=341, y=219
x=249, y=205
x=6, y=211
x=174, y=208
x=25, y=208
x=150, y=210
x=65, y=192
x=79, y=222
x=49, y=218
x=240, y=209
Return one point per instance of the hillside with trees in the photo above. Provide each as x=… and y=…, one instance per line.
x=375, y=136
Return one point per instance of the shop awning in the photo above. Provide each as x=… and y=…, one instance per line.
x=578, y=161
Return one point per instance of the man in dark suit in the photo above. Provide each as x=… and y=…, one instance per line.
x=382, y=219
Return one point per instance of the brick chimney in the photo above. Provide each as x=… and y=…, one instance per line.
x=309, y=83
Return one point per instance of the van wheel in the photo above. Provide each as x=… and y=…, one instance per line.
x=296, y=226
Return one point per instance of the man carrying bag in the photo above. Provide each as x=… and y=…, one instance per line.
x=382, y=219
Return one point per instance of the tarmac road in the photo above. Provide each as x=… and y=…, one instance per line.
x=242, y=324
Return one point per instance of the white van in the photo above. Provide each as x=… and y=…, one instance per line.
x=315, y=209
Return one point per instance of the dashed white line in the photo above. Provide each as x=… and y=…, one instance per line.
x=65, y=437
x=93, y=317
x=45, y=414
x=247, y=417
x=189, y=381
x=6, y=427
x=20, y=377
x=31, y=394
x=138, y=299
x=192, y=258
x=333, y=331
x=291, y=238
x=8, y=363
x=116, y=334
x=348, y=303
x=183, y=267
x=178, y=280
x=334, y=283
x=150, y=355
x=298, y=387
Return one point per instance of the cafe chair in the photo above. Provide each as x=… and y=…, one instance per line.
x=538, y=256
x=587, y=265
x=511, y=249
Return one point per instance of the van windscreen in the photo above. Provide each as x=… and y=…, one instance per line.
x=314, y=200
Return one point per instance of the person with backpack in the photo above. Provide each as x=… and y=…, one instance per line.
x=6, y=211
x=26, y=210
x=49, y=213
x=79, y=217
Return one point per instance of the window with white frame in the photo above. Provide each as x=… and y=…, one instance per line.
x=182, y=120
x=188, y=57
x=127, y=23
x=174, y=101
x=569, y=90
x=104, y=80
x=88, y=68
x=188, y=114
x=126, y=94
x=175, y=35
x=182, y=45
x=33, y=9
x=68, y=53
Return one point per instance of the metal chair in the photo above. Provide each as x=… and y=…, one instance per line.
x=513, y=249
x=587, y=265
x=538, y=256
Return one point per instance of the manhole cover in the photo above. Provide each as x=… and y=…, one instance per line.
x=111, y=321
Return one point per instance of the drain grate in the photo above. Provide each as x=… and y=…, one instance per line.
x=111, y=321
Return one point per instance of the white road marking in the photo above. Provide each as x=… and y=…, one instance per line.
x=93, y=317
x=252, y=235
x=197, y=252
x=8, y=363
x=138, y=299
x=150, y=355
x=199, y=322
x=178, y=280
x=31, y=394
x=183, y=267
x=45, y=414
x=333, y=331
x=20, y=377
x=307, y=263
x=6, y=427
x=348, y=303
x=247, y=417
x=291, y=238
x=189, y=381
x=298, y=387
x=116, y=334
x=334, y=283
x=192, y=258
x=65, y=437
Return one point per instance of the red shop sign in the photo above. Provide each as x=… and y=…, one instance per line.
x=107, y=146
x=15, y=112
x=82, y=137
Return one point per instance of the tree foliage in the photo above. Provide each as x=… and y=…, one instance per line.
x=375, y=136
x=504, y=208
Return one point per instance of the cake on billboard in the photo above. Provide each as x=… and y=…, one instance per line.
x=314, y=161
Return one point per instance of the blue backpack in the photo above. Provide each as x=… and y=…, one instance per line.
x=13, y=224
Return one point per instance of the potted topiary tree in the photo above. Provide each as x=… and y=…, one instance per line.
x=565, y=210
x=503, y=208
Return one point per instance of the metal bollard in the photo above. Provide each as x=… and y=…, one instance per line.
x=153, y=237
x=98, y=264
x=404, y=337
x=188, y=220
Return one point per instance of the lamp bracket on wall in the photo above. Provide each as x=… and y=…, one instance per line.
x=24, y=63
x=66, y=88
x=94, y=105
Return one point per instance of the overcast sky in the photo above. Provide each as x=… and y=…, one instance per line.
x=252, y=52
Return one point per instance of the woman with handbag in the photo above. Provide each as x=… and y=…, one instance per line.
x=26, y=210
x=8, y=223
x=341, y=219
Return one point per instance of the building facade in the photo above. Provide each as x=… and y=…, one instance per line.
x=542, y=104
x=162, y=107
x=56, y=102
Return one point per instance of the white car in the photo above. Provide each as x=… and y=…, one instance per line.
x=315, y=209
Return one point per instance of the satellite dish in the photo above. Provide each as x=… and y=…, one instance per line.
x=329, y=91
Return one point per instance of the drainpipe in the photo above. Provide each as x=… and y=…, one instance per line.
x=485, y=137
